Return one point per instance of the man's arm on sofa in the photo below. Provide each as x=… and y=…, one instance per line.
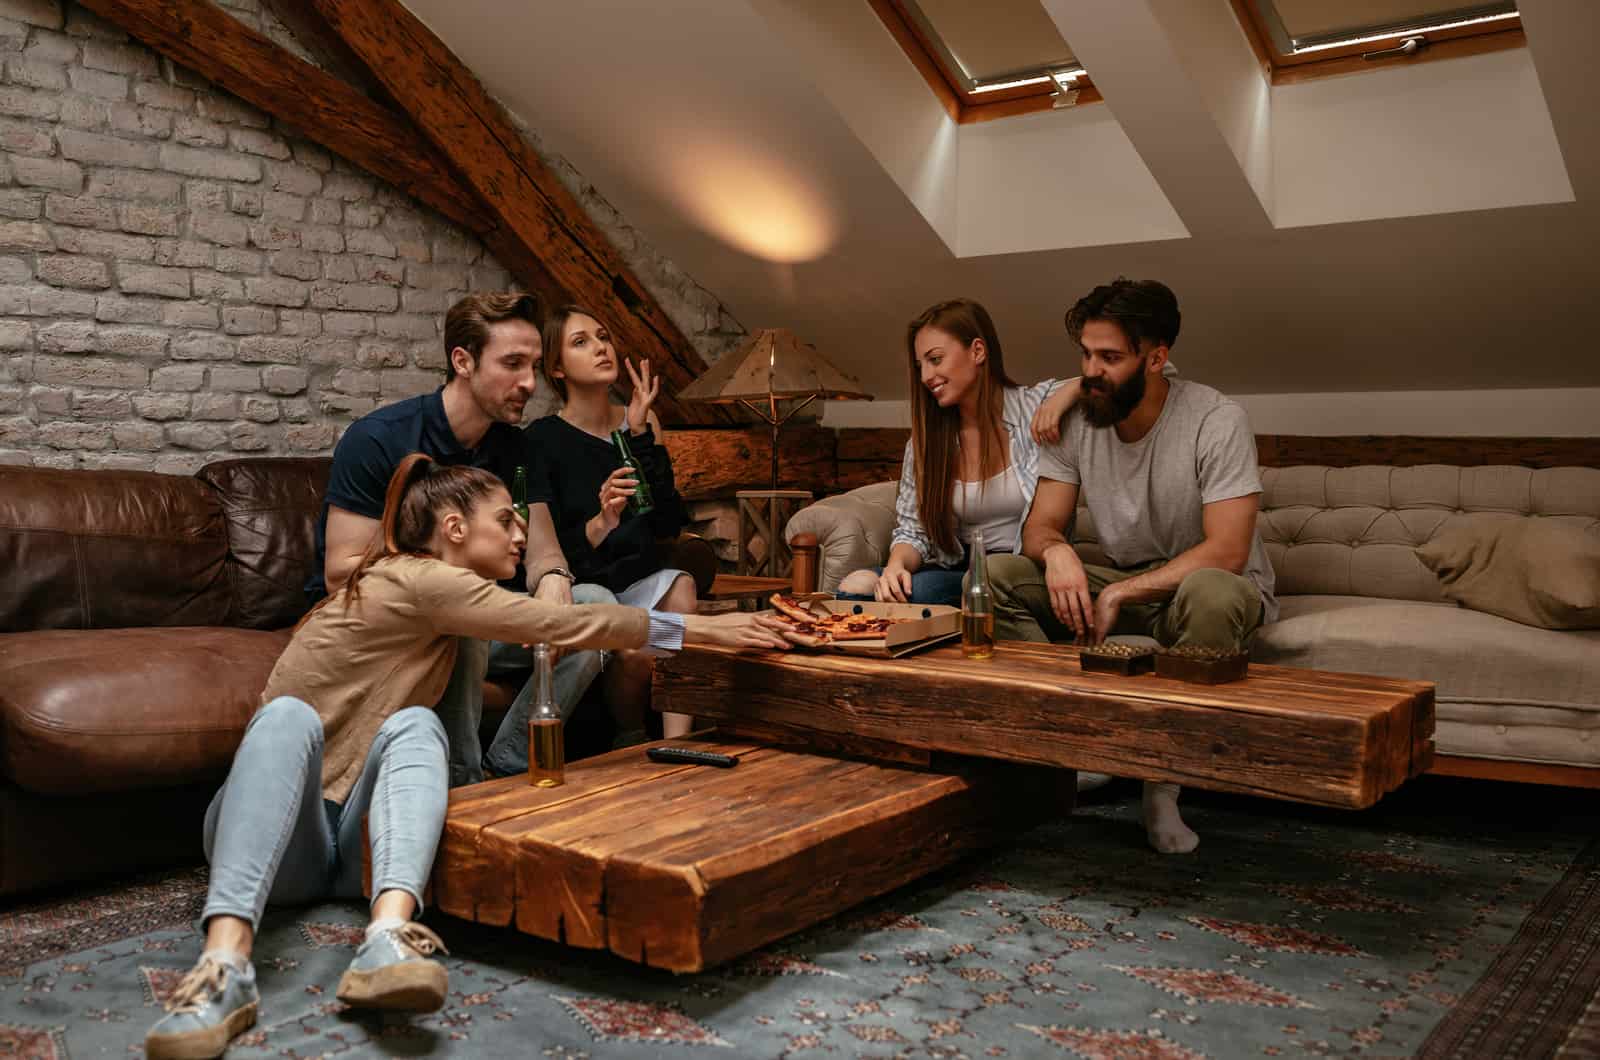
x=348, y=537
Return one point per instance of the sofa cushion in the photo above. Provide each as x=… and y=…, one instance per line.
x=852, y=528
x=1505, y=690
x=271, y=507
x=123, y=709
x=1531, y=571
x=109, y=549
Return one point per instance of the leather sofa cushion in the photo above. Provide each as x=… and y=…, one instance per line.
x=109, y=549
x=83, y=712
x=271, y=507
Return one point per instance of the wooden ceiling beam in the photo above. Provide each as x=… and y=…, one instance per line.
x=540, y=223
x=217, y=46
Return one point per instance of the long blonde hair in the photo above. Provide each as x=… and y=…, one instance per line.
x=935, y=431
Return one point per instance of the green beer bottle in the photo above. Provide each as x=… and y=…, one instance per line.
x=640, y=503
x=519, y=492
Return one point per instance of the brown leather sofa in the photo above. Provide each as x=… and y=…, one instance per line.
x=140, y=615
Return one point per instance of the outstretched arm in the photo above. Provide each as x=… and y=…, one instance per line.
x=1044, y=540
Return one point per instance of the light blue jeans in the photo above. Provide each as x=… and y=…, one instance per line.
x=271, y=837
x=461, y=706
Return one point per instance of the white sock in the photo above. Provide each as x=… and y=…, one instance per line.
x=386, y=924
x=1162, y=823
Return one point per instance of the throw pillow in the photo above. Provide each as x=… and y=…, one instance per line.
x=1535, y=571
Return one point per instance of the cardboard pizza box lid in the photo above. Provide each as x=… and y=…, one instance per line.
x=929, y=624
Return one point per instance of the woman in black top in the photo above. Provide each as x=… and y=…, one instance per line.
x=606, y=543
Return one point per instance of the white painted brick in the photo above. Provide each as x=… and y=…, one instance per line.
x=164, y=96
x=347, y=325
x=292, y=178
x=208, y=195
x=204, y=346
x=346, y=406
x=130, y=119
x=15, y=268
x=272, y=235
x=363, y=214
x=340, y=269
x=276, y=290
x=379, y=354
x=178, y=377
x=214, y=407
x=15, y=334
x=96, y=149
x=248, y=320
x=153, y=279
x=25, y=138
x=297, y=264
x=240, y=262
x=310, y=437
x=220, y=228
x=309, y=154
x=161, y=406
x=260, y=409
x=84, y=112
x=235, y=377
x=82, y=22
x=57, y=461
x=67, y=337
x=101, y=405
x=51, y=400
x=14, y=299
x=90, y=371
x=197, y=162
x=106, y=244
x=196, y=435
x=366, y=241
x=59, y=434
x=43, y=13
x=185, y=254
x=22, y=205
x=47, y=46
x=259, y=349
x=184, y=464
x=416, y=301
x=249, y=437
x=47, y=173
x=325, y=240
x=56, y=303
x=431, y=355
x=80, y=210
x=120, y=59
x=284, y=380
x=408, y=326
x=412, y=250
x=147, y=220
x=17, y=431
x=216, y=285
x=190, y=315
x=116, y=461
x=116, y=309
x=395, y=383
x=138, y=436
x=302, y=323
x=230, y=111
x=35, y=73
x=326, y=212
x=437, y=277
x=281, y=206
x=24, y=102
x=257, y=142
x=379, y=270
x=197, y=132
x=98, y=83
x=135, y=186
x=245, y=201
x=327, y=351
x=132, y=342
x=69, y=270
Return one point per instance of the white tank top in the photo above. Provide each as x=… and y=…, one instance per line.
x=994, y=506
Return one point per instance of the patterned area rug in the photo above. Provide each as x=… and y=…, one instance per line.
x=1456, y=920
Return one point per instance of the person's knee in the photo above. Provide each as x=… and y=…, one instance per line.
x=859, y=583
x=288, y=718
x=416, y=723
x=681, y=597
x=1007, y=572
x=589, y=593
x=1212, y=590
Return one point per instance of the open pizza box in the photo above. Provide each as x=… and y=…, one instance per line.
x=927, y=625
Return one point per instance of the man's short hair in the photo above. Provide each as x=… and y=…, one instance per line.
x=469, y=320
x=1143, y=309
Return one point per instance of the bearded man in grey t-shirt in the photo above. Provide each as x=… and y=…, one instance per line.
x=1167, y=469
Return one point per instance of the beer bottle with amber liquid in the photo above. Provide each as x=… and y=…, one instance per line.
x=547, y=757
x=640, y=503
x=977, y=605
x=519, y=493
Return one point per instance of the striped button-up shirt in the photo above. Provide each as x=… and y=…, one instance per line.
x=1017, y=406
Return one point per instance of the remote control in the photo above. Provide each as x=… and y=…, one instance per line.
x=694, y=758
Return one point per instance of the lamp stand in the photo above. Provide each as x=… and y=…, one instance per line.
x=769, y=416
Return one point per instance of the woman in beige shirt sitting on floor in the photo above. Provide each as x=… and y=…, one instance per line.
x=348, y=731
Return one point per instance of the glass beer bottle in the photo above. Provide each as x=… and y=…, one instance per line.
x=640, y=503
x=977, y=605
x=547, y=758
x=519, y=493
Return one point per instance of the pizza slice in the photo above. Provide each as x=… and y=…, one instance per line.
x=790, y=608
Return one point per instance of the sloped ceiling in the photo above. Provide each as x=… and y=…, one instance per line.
x=785, y=154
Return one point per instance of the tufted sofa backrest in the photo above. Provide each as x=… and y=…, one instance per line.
x=1352, y=531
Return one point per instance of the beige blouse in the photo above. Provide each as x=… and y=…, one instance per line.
x=395, y=647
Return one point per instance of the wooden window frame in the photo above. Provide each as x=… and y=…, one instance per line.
x=1442, y=44
x=963, y=105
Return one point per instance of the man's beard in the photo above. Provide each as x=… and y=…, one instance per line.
x=498, y=410
x=1106, y=406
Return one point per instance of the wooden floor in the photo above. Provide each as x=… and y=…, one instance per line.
x=682, y=867
x=1342, y=740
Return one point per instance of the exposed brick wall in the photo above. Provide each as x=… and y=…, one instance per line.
x=181, y=280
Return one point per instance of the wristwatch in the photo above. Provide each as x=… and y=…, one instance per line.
x=564, y=572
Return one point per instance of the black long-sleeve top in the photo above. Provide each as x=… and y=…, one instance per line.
x=577, y=464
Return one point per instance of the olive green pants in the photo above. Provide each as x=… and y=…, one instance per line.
x=1212, y=608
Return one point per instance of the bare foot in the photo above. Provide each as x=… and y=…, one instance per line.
x=1162, y=823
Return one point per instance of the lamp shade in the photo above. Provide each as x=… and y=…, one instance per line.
x=773, y=363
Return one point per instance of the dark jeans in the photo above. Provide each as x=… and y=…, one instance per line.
x=930, y=585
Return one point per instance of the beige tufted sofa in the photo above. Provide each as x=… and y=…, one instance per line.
x=1354, y=597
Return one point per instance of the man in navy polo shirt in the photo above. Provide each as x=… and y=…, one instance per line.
x=493, y=350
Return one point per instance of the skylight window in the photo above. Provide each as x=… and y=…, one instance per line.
x=1300, y=38
x=988, y=60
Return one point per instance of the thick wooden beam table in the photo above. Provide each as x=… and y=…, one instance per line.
x=685, y=866
x=1342, y=740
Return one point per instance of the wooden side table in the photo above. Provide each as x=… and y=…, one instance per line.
x=763, y=513
x=749, y=593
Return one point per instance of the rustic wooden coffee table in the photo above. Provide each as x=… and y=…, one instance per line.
x=1332, y=739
